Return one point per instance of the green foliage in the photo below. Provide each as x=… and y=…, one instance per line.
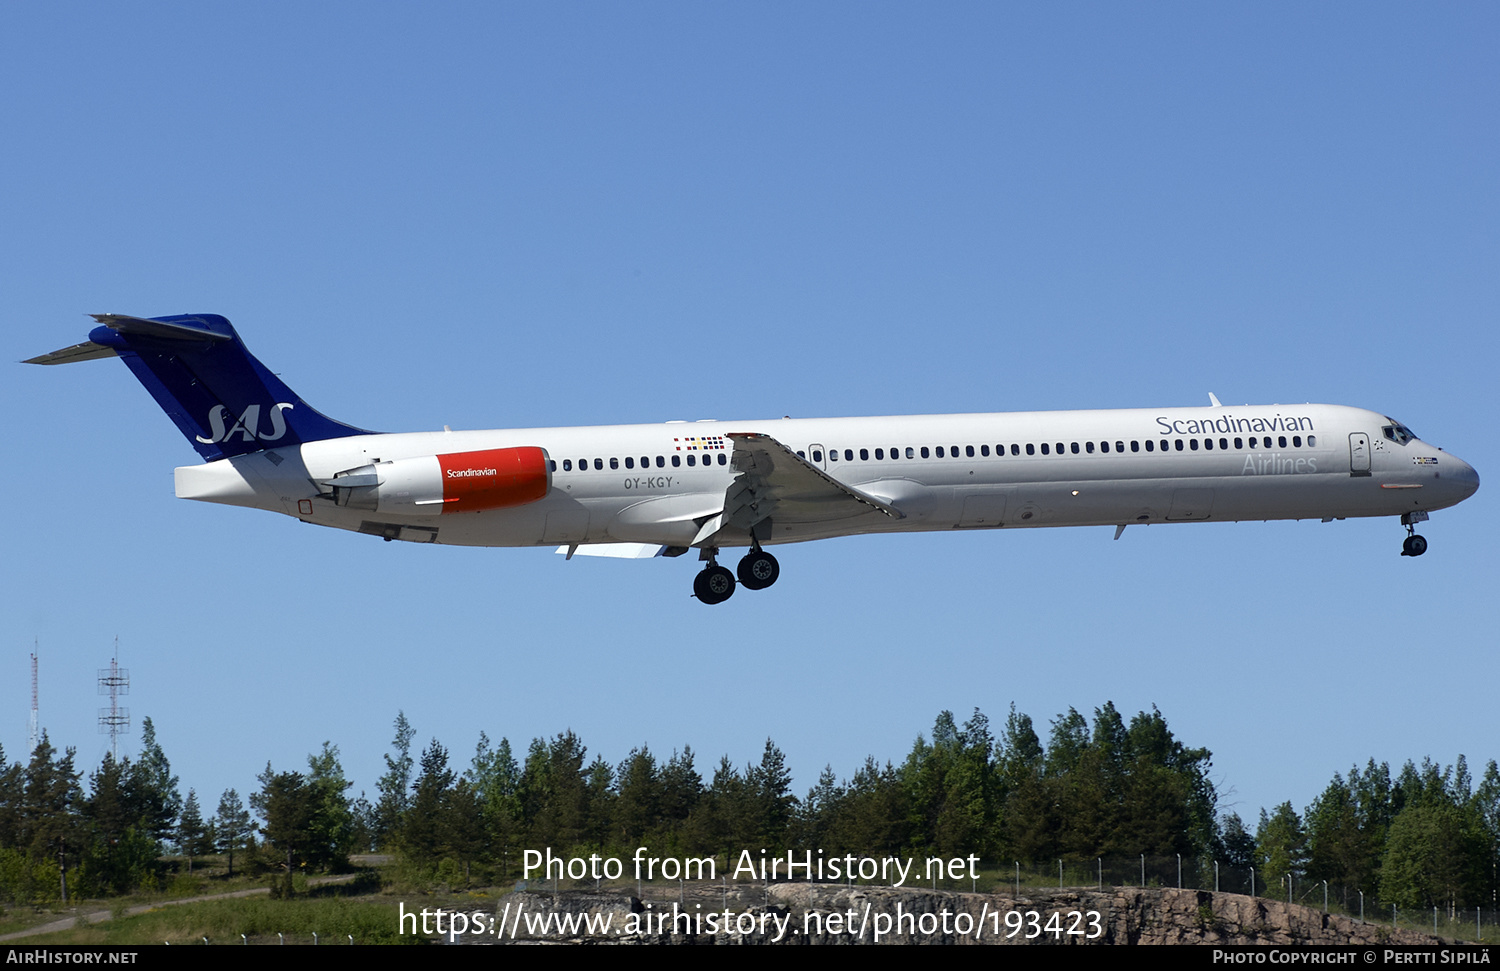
x=1280, y=845
x=231, y=827
x=153, y=795
x=395, y=785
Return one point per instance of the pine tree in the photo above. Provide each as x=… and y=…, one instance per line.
x=191, y=830
x=395, y=785
x=50, y=827
x=422, y=838
x=287, y=805
x=231, y=826
x=153, y=787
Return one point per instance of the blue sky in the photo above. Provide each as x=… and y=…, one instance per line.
x=499, y=215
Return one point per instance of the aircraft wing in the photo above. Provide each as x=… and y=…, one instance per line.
x=775, y=481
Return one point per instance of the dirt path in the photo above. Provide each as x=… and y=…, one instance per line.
x=100, y=916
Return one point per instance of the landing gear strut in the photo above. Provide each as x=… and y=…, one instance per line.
x=1415, y=545
x=714, y=584
x=758, y=570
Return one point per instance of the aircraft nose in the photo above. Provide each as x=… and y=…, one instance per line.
x=1463, y=477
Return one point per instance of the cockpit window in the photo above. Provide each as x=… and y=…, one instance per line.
x=1397, y=432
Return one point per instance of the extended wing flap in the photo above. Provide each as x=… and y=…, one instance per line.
x=773, y=479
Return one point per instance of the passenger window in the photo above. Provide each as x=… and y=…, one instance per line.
x=676, y=461
x=1312, y=441
x=879, y=454
x=1282, y=441
x=969, y=450
x=630, y=461
x=614, y=463
x=1030, y=449
x=691, y=461
x=1193, y=444
x=985, y=450
x=552, y=464
x=1179, y=444
x=1296, y=441
x=864, y=454
x=567, y=465
x=833, y=455
x=953, y=451
x=1120, y=446
x=911, y=454
x=924, y=451
x=817, y=455
x=598, y=465
x=1087, y=447
x=1136, y=446
x=660, y=461
x=1148, y=445
x=1104, y=446
x=1224, y=444
x=1075, y=448
x=1059, y=448
x=1239, y=443
x=1044, y=449
x=1016, y=450
x=723, y=459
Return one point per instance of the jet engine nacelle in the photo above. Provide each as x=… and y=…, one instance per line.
x=495, y=478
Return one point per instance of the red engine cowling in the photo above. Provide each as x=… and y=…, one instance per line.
x=494, y=478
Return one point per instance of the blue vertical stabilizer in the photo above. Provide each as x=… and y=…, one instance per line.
x=196, y=367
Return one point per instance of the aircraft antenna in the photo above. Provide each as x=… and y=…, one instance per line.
x=114, y=721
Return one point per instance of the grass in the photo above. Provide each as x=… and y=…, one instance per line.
x=369, y=920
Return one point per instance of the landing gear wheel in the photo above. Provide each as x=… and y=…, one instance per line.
x=758, y=570
x=1414, y=546
x=713, y=585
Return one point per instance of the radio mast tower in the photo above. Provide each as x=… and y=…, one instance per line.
x=114, y=721
x=35, y=722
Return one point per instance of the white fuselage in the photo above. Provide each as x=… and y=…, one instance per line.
x=657, y=484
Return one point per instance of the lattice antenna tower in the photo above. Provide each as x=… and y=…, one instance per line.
x=34, y=726
x=114, y=721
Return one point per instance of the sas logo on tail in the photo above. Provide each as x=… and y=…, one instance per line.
x=247, y=425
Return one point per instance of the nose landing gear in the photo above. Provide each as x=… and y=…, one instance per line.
x=1414, y=545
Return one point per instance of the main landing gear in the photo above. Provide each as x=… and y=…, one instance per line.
x=1414, y=545
x=715, y=584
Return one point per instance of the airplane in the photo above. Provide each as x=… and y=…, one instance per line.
x=666, y=489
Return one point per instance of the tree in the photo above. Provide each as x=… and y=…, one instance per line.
x=332, y=822
x=1435, y=857
x=153, y=787
x=770, y=786
x=1340, y=848
x=637, y=809
x=395, y=785
x=50, y=799
x=423, y=835
x=496, y=779
x=1238, y=846
x=192, y=832
x=286, y=803
x=1280, y=845
x=231, y=826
